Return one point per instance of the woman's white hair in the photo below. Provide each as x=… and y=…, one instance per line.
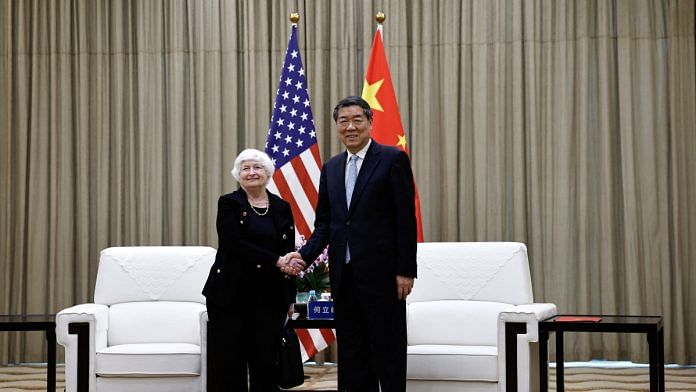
x=252, y=154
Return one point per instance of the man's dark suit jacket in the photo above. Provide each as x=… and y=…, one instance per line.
x=380, y=225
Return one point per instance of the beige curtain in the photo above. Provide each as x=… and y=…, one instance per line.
x=567, y=125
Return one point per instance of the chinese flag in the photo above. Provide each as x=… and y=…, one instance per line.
x=378, y=91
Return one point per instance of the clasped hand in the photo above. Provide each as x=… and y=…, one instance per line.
x=291, y=264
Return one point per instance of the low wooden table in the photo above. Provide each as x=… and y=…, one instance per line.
x=649, y=325
x=36, y=322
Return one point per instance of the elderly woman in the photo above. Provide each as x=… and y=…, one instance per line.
x=248, y=293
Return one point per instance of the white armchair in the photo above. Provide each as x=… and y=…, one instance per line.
x=471, y=303
x=147, y=327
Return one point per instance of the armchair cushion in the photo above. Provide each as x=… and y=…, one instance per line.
x=450, y=322
x=452, y=363
x=155, y=322
x=149, y=359
x=151, y=273
x=475, y=271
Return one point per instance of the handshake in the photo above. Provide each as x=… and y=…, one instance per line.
x=291, y=264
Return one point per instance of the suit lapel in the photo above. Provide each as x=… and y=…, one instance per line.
x=240, y=196
x=372, y=158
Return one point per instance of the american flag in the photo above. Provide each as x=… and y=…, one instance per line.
x=292, y=145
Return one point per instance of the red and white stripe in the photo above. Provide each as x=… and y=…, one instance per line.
x=314, y=340
x=297, y=182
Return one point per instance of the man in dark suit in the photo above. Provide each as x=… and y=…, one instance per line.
x=366, y=215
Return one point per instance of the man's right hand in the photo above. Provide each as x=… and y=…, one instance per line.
x=284, y=265
x=295, y=260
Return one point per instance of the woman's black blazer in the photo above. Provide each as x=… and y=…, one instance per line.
x=237, y=256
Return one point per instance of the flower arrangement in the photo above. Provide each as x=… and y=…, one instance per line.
x=316, y=275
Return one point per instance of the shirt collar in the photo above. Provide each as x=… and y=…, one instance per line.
x=361, y=154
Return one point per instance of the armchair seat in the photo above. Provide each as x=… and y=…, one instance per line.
x=149, y=360
x=453, y=362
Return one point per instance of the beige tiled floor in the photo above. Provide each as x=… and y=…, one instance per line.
x=318, y=378
x=589, y=379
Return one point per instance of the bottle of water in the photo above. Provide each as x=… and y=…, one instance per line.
x=312, y=298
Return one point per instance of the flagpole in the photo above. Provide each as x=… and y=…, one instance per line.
x=291, y=143
x=380, y=18
x=378, y=91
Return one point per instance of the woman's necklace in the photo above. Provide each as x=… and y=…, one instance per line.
x=268, y=207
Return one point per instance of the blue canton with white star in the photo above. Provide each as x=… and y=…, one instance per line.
x=291, y=130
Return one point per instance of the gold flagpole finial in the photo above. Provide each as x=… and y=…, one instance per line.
x=380, y=17
x=294, y=17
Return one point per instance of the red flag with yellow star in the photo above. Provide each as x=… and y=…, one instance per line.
x=378, y=91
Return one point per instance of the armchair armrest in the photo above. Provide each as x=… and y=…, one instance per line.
x=204, y=350
x=519, y=326
x=530, y=314
x=96, y=318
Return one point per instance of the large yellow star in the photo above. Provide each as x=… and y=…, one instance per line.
x=369, y=94
x=402, y=141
